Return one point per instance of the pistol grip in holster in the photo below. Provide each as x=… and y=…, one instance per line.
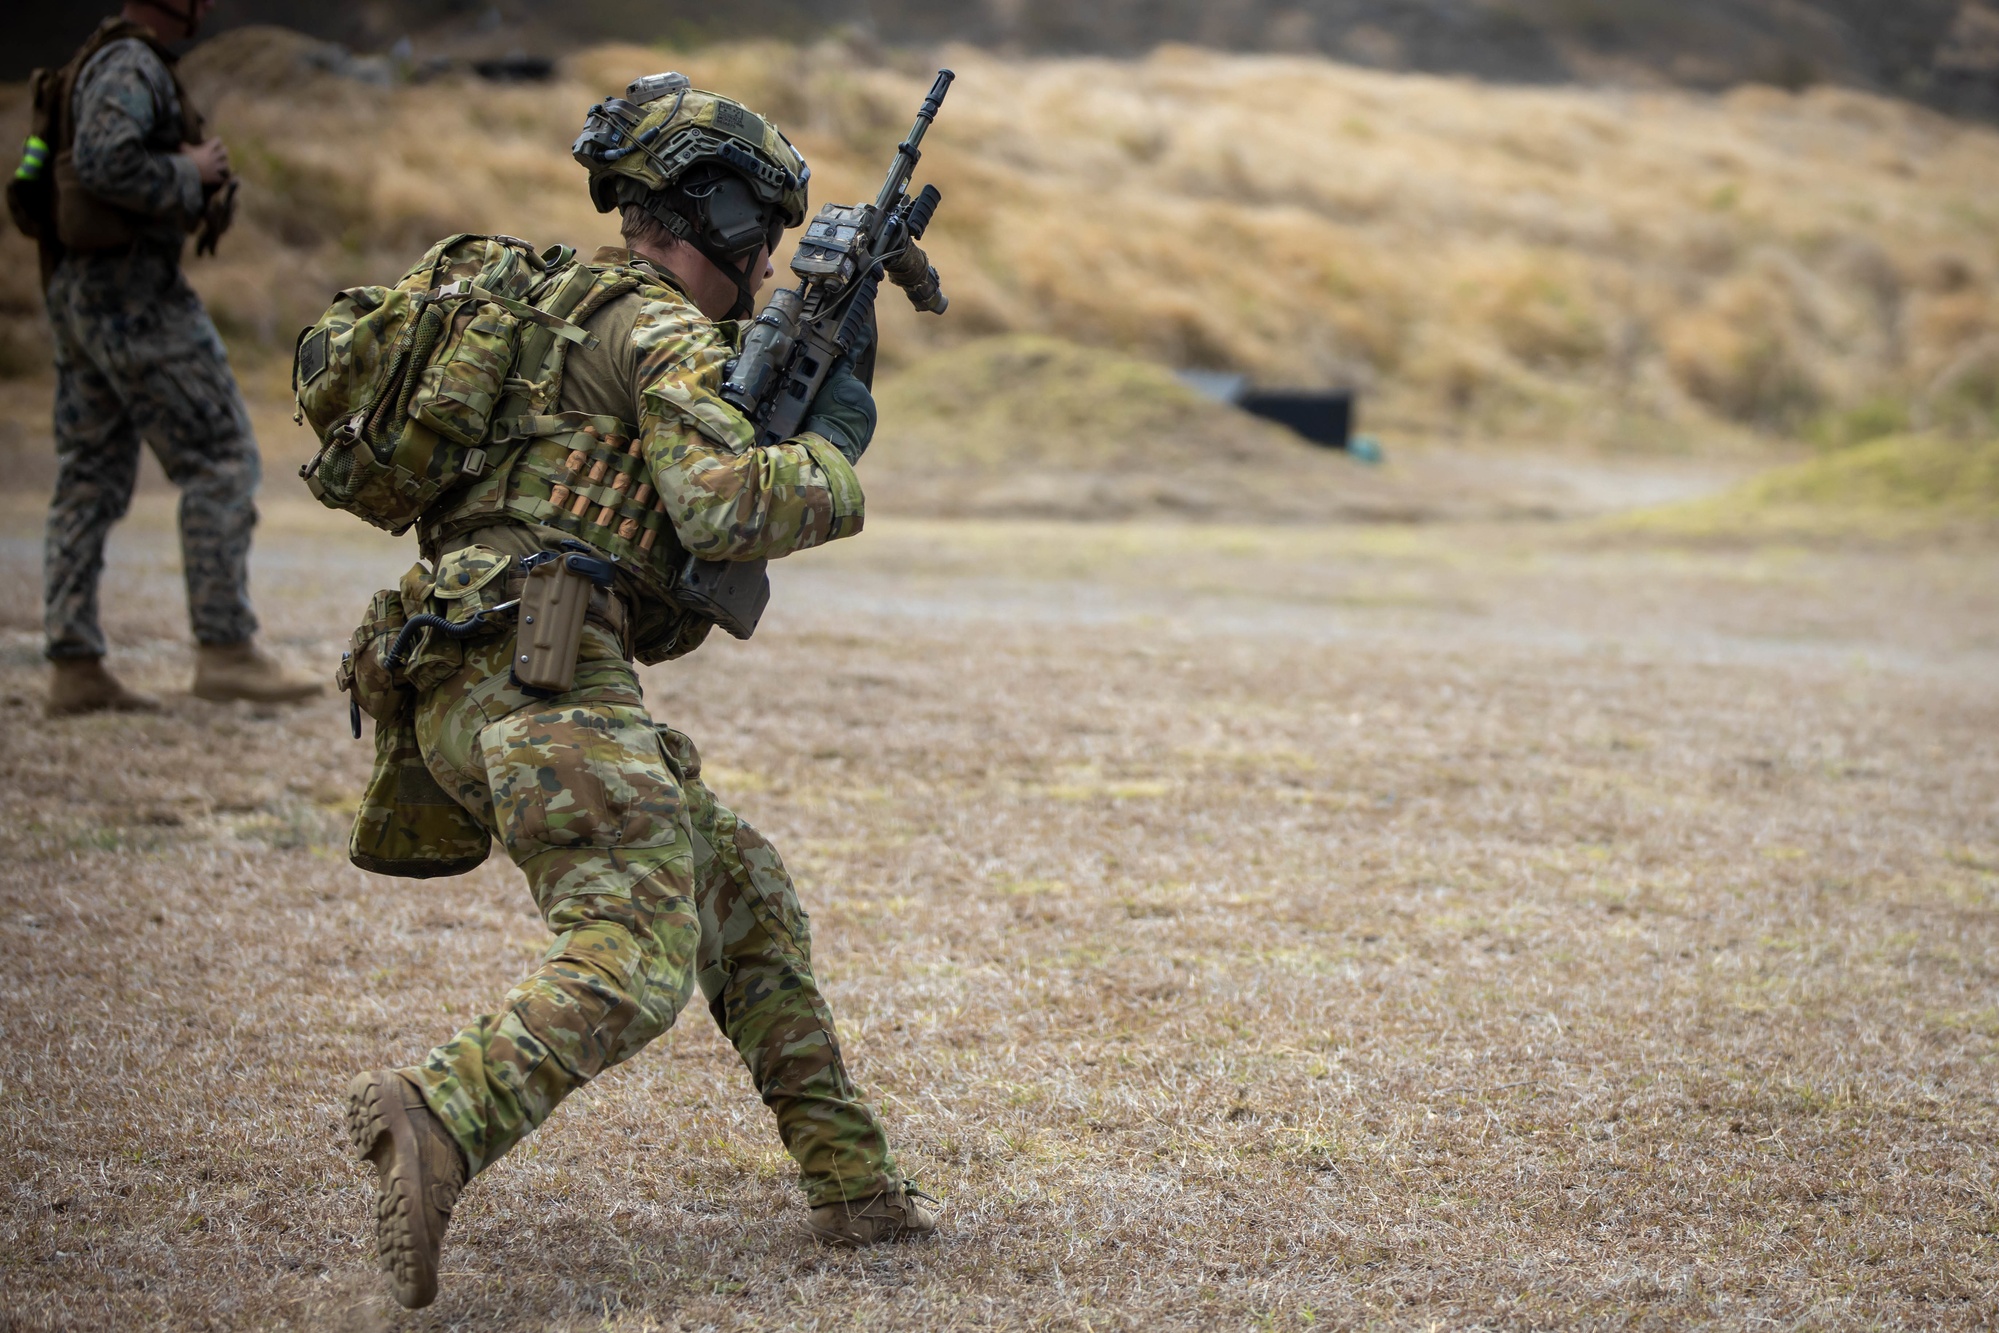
x=555, y=602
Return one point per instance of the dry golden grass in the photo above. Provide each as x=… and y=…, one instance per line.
x=1241, y=927
x=1913, y=487
x=1627, y=269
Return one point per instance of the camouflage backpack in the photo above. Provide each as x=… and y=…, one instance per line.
x=400, y=382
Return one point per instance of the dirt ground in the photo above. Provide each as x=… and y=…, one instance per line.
x=1449, y=925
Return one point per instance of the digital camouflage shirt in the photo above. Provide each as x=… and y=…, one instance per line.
x=129, y=128
x=657, y=364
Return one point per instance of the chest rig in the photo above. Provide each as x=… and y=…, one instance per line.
x=580, y=474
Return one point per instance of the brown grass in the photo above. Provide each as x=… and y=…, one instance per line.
x=1454, y=925
x=1655, y=270
x=1905, y=487
x=1241, y=927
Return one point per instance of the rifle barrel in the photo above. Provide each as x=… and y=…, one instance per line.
x=906, y=153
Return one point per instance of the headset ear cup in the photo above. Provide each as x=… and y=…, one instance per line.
x=725, y=211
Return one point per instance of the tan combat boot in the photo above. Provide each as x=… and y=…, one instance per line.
x=82, y=685
x=904, y=1214
x=419, y=1172
x=226, y=671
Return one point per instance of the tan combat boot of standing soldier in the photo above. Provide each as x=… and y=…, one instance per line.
x=82, y=685
x=227, y=671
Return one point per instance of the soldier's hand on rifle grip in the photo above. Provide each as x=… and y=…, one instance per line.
x=210, y=158
x=844, y=411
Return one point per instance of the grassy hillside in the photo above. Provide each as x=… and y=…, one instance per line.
x=1659, y=270
x=1025, y=424
x=1900, y=487
x=1934, y=50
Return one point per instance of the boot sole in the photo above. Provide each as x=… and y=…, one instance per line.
x=377, y=1125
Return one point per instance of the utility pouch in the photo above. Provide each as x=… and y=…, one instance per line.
x=555, y=602
x=408, y=825
x=85, y=222
x=373, y=689
x=732, y=593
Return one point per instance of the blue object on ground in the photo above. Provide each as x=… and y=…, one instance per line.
x=1364, y=449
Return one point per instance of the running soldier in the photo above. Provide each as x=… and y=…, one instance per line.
x=137, y=357
x=651, y=886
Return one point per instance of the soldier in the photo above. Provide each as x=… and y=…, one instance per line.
x=137, y=357
x=650, y=885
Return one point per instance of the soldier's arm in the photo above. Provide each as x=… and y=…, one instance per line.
x=120, y=100
x=729, y=498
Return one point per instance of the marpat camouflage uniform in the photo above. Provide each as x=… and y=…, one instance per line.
x=138, y=358
x=650, y=884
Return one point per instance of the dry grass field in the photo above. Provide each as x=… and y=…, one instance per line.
x=1462, y=925
x=1549, y=880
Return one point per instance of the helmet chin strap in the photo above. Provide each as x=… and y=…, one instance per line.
x=746, y=293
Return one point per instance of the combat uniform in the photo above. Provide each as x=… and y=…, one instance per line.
x=651, y=886
x=138, y=357
x=597, y=429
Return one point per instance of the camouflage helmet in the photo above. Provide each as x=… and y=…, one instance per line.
x=664, y=131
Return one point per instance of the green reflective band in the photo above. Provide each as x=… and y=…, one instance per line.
x=34, y=156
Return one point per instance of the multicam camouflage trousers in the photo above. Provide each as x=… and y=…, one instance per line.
x=651, y=887
x=138, y=358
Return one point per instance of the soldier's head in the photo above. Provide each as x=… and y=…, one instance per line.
x=170, y=20
x=702, y=185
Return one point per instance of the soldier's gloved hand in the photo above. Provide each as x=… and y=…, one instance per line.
x=844, y=411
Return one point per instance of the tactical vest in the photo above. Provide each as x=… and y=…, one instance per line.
x=580, y=474
x=84, y=221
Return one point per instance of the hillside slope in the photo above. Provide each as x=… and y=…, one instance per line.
x=1941, y=51
x=1917, y=486
x=1631, y=270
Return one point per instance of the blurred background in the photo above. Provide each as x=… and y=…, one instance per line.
x=1745, y=230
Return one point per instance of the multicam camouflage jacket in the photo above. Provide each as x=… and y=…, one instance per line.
x=130, y=123
x=638, y=416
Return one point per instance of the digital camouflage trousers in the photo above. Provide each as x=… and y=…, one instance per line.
x=137, y=358
x=651, y=888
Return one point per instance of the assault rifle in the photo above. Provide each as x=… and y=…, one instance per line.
x=804, y=330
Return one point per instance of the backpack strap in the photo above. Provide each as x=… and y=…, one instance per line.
x=543, y=463
x=608, y=288
x=546, y=340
